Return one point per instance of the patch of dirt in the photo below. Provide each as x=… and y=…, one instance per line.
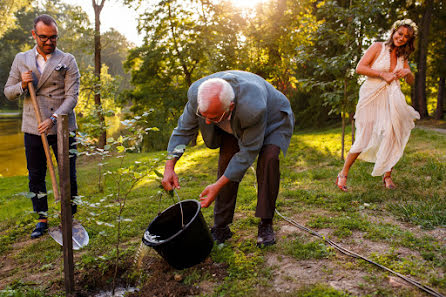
x=341, y=272
x=92, y=280
x=9, y=268
x=165, y=281
x=290, y=275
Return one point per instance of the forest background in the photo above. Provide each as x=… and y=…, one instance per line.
x=307, y=49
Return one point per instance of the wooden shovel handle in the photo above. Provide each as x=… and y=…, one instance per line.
x=46, y=147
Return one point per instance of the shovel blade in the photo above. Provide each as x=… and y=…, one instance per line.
x=79, y=235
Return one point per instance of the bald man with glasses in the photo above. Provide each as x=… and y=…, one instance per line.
x=247, y=118
x=56, y=80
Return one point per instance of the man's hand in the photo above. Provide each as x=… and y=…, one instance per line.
x=26, y=78
x=208, y=195
x=170, y=178
x=210, y=192
x=45, y=126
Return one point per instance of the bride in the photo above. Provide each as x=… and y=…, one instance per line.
x=383, y=118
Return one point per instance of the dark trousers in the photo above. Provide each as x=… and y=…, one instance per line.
x=36, y=164
x=268, y=181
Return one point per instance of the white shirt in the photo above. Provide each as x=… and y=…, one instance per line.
x=41, y=62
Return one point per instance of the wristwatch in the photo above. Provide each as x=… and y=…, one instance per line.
x=53, y=118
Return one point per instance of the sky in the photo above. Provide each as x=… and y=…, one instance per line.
x=114, y=15
x=123, y=19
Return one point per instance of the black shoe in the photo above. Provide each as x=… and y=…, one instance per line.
x=41, y=228
x=266, y=235
x=220, y=235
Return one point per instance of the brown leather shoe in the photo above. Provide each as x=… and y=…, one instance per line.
x=265, y=235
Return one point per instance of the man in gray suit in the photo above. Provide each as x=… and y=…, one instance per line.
x=246, y=117
x=55, y=76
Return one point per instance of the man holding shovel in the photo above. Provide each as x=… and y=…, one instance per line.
x=246, y=117
x=55, y=77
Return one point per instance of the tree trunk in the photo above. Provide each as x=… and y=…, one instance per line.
x=420, y=81
x=97, y=71
x=440, y=99
x=352, y=119
x=413, y=96
x=343, y=137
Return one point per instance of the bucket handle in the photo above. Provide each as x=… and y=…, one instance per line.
x=181, y=209
x=179, y=202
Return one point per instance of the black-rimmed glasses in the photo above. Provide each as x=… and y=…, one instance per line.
x=45, y=38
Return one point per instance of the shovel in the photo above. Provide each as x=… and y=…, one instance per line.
x=79, y=234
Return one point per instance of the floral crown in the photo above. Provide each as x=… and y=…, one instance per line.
x=407, y=22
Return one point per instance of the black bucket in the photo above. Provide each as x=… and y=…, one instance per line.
x=181, y=247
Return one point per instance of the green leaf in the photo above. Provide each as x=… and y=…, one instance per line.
x=159, y=174
x=28, y=194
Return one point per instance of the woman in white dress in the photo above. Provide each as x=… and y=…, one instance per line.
x=383, y=118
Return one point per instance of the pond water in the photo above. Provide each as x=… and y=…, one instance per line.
x=12, y=150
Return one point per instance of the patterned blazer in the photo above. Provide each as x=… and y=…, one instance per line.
x=57, y=88
x=262, y=115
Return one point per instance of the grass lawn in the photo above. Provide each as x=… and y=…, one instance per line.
x=403, y=229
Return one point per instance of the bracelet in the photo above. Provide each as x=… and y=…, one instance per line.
x=53, y=119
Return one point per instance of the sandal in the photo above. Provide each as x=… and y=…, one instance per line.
x=344, y=187
x=391, y=186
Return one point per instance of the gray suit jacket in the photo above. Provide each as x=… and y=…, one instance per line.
x=57, y=88
x=262, y=115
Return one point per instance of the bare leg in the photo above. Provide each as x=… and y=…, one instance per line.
x=387, y=179
x=342, y=177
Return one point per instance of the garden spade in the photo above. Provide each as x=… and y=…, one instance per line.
x=79, y=234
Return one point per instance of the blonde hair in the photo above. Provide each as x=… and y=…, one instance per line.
x=215, y=87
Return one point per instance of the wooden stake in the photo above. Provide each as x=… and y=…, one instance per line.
x=65, y=192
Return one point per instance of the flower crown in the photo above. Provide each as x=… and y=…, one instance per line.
x=407, y=22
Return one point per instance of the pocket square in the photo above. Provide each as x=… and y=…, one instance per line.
x=60, y=67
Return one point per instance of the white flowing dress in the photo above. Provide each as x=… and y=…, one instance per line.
x=383, y=119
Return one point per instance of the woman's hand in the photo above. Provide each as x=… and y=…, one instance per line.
x=388, y=76
x=402, y=73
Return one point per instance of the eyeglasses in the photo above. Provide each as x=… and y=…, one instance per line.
x=45, y=38
x=215, y=121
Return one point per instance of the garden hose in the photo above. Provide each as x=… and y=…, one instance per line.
x=355, y=255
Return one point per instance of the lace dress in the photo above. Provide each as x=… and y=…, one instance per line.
x=383, y=118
